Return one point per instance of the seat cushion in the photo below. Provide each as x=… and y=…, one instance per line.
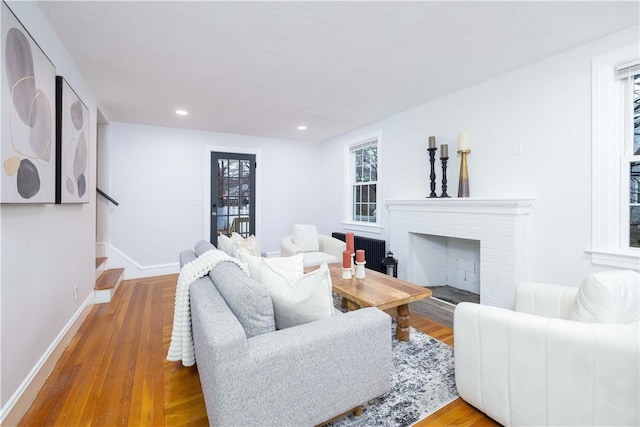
x=312, y=259
x=306, y=237
x=248, y=299
x=608, y=297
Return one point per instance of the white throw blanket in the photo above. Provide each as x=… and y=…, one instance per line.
x=181, y=347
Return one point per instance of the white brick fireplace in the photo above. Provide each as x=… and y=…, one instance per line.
x=499, y=225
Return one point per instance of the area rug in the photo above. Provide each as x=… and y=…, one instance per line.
x=422, y=381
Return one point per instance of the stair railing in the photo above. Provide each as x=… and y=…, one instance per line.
x=106, y=196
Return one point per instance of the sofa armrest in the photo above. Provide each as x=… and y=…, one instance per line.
x=545, y=300
x=331, y=245
x=522, y=369
x=287, y=248
x=304, y=375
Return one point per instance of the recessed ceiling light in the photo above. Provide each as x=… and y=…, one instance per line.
x=182, y=112
x=302, y=127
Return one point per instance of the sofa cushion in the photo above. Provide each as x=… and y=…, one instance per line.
x=298, y=298
x=248, y=299
x=306, y=237
x=608, y=297
x=202, y=246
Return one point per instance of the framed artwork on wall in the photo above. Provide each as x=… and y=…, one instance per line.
x=72, y=145
x=27, y=147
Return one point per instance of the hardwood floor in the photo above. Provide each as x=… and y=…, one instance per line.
x=114, y=371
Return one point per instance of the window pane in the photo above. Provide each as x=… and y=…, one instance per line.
x=373, y=197
x=358, y=173
x=634, y=182
x=223, y=167
x=372, y=212
x=234, y=186
x=245, y=171
x=357, y=192
x=366, y=173
x=634, y=227
x=365, y=193
x=234, y=168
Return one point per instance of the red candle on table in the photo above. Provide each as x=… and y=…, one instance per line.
x=360, y=255
x=349, y=239
x=346, y=259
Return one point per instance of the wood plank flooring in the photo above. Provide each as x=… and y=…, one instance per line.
x=114, y=371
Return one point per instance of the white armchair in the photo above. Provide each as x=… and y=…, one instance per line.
x=538, y=366
x=317, y=248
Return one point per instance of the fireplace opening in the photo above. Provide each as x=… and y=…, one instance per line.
x=449, y=266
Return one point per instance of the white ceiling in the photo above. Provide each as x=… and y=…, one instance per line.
x=263, y=68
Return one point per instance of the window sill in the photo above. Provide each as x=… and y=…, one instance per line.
x=621, y=259
x=358, y=226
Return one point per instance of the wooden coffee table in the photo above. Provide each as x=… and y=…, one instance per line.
x=381, y=291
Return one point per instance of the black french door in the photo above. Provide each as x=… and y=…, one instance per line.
x=233, y=188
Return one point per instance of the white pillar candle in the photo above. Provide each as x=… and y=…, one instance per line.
x=432, y=142
x=463, y=141
x=444, y=150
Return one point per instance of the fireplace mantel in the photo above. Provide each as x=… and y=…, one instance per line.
x=499, y=224
x=505, y=206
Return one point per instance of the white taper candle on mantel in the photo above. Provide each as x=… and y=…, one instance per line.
x=463, y=141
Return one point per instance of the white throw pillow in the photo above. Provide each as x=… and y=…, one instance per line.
x=291, y=267
x=306, y=237
x=253, y=264
x=298, y=298
x=225, y=244
x=247, y=246
x=608, y=297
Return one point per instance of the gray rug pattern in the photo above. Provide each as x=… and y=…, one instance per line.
x=422, y=381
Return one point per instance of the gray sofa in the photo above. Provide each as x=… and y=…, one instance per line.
x=252, y=374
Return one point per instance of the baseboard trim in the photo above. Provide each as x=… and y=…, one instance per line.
x=134, y=270
x=21, y=400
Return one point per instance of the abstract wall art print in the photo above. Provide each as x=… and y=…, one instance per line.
x=27, y=148
x=72, y=145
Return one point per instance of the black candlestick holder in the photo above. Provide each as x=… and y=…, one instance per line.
x=444, y=177
x=432, y=175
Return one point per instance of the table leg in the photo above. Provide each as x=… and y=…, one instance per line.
x=402, y=326
x=351, y=306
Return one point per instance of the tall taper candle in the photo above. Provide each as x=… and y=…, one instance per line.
x=444, y=151
x=432, y=142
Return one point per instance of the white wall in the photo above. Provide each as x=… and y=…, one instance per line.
x=46, y=249
x=546, y=109
x=159, y=177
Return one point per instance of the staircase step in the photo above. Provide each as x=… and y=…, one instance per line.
x=107, y=284
x=109, y=278
x=100, y=261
